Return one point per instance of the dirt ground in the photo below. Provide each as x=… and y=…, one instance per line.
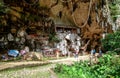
x=67, y=60
x=43, y=69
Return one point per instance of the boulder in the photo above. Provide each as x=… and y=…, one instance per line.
x=33, y=56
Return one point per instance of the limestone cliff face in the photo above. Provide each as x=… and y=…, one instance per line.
x=88, y=15
x=91, y=16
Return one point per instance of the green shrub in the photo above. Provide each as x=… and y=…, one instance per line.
x=108, y=67
x=112, y=42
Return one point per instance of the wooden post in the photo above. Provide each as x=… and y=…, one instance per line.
x=84, y=48
x=57, y=53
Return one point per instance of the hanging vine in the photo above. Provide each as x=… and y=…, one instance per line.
x=85, y=23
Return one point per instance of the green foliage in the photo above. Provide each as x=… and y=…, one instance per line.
x=112, y=42
x=53, y=38
x=3, y=9
x=114, y=8
x=107, y=67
